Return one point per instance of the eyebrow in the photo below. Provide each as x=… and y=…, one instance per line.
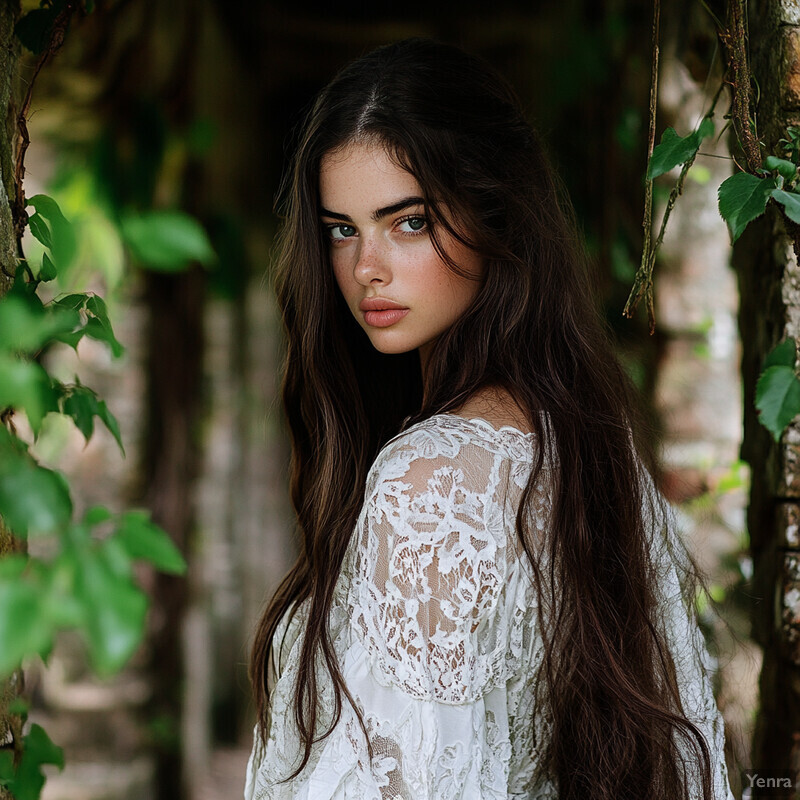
x=379, y=213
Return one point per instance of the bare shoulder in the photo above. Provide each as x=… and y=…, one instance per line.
x=497, y=407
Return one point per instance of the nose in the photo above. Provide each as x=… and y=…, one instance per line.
x=371, y=265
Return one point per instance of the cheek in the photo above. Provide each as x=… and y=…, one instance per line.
x=456, y=291
x=342, y=276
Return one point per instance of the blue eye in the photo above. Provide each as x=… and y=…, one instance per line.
x=340, y=232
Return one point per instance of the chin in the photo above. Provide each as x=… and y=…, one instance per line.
x=392, y=351
x=392, y=348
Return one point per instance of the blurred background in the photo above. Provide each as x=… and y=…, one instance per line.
x=190, y=105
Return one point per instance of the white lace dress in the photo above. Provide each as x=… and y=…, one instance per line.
x=434, y=625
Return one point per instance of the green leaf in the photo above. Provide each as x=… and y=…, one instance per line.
x=29, y=781
x=145, y=540
x=40, y=230
x=22, y=287
x=6, y=767
x=24, y=631
x=110, y=421
x=783, y=167
x=32, y=498
x=790, y=202
x=74, y=301
x=742, y=198
x=98, y=325
x=673, y=149
x=706, y=128
x=117, y=558
x=63, y=245
x=60, y=607
x=115, y=611
x=97, y=515
x=41, y=747
x=19, y=705
x=783, y=354
x=48, y=271
x=37, y=750
x=71, y=338
x=78, y=536
x=82, y=405
x=11, y=447
x=25, y=385
x=777, y=399
x=167, y=241
x=47, y=207
x=102, y=332
x=12, y=566
x=97, y=306
x=24, y=327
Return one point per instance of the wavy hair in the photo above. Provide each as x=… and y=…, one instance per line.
x=618, y=729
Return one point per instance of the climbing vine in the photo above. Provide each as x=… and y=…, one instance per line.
x=742, y=198
x=86, y=581
x=85, y=578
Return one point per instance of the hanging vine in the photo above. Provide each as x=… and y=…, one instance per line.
x=743, y=197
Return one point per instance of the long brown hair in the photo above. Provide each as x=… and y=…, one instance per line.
x=618, y=729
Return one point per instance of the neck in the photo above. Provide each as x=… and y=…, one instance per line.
x=424, y=359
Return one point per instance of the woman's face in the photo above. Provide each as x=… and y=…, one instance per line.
x=393, y=280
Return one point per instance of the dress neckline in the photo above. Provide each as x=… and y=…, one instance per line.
x=484, y=423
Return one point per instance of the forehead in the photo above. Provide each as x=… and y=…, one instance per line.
x=361, y=177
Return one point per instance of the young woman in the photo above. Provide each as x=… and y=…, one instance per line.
x=487, y=601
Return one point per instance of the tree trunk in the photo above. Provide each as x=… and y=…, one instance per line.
x=769, y=287
x=171, y=462
x=10, y=724
x=698, y=394
x=9, y=55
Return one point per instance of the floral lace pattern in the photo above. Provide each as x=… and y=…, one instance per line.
x=434, y=625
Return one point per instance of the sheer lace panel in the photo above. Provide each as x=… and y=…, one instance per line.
x=430, y=571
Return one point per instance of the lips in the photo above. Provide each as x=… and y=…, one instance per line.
x=380, y=313
x=378, y=304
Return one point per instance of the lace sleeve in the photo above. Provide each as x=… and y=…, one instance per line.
x=430, y=576
x=693, y=663
x=433, y=632
x=431, y=652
